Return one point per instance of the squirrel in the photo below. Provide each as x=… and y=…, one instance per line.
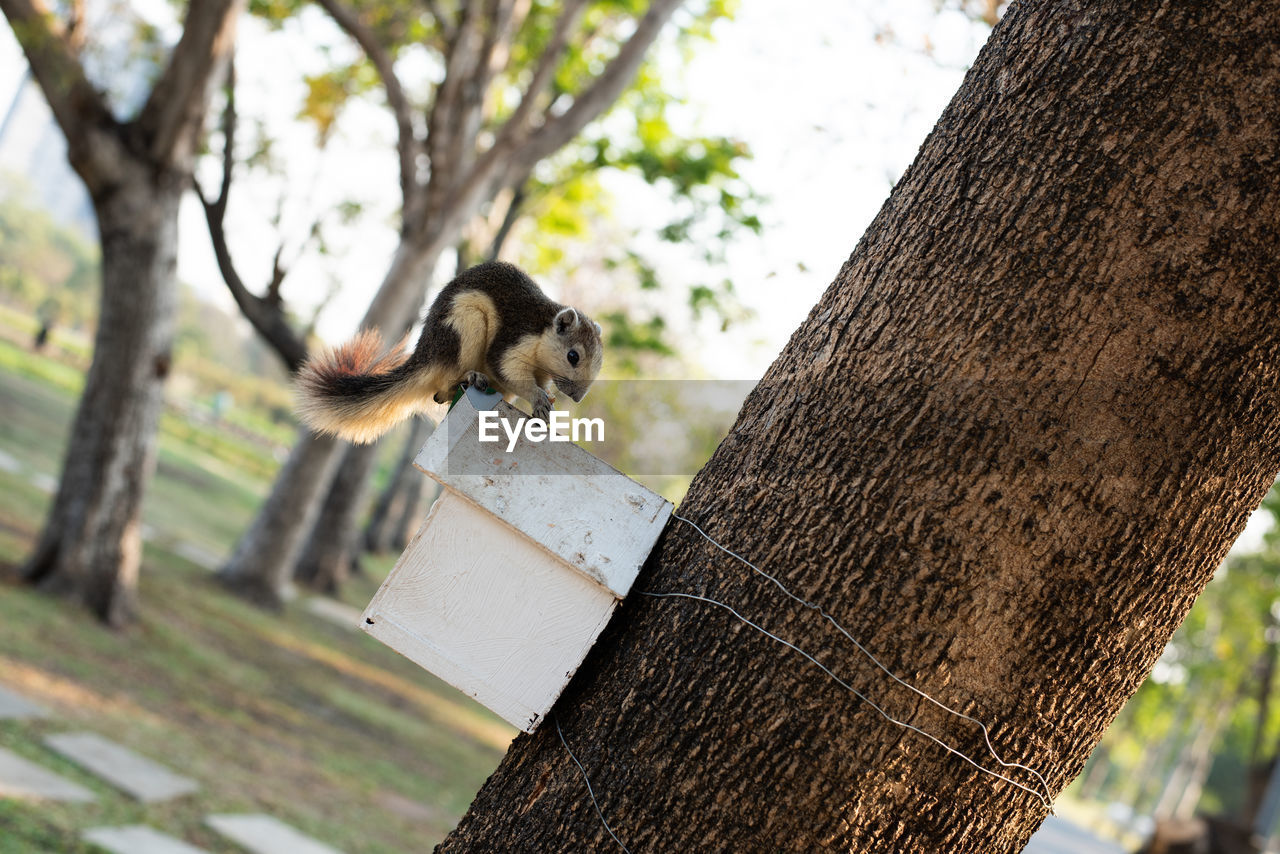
x=492, y=326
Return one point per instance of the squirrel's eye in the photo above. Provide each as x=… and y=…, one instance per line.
x=573, y=357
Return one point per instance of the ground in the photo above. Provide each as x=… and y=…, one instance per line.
x=287, y=713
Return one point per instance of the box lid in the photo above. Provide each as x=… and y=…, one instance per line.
x=585, y=512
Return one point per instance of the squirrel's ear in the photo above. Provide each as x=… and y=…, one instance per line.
x=566, y=319
x=599, y=331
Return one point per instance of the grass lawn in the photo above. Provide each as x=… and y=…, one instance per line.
x=288, y=714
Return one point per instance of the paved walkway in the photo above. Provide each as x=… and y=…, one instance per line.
x=263, y=834
x=138, y=839
x=338, y=613
x=1059, y=836
x=15, y=707
x=132, y=774
x=25, y=780
x=138, y=776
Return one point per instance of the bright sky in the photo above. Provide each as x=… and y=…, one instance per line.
x=831, y=116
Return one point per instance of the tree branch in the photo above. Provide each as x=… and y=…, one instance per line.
x=484, y=32
x=508, y=17
x=444, y=123
x=266, y=315
x=50, y=50
x=406, y=142
x=516, y=153
x=447, y=27
x=508, y=222
x=469, y=107
x=557, y=131
x=546, y=68
x=175, y=110
x=76, y=26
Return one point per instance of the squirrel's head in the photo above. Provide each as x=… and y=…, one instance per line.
x=572, y=352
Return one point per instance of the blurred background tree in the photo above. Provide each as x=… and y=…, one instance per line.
x=1202, y=734
x=49, y=268
x=227, y=417
x=135, y=156
x=497, y=138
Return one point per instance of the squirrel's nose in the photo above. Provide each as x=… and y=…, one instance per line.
x=576, y=392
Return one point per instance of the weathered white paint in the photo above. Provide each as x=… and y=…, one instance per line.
x=518, y=566
x=577, y=507
x=488, y=611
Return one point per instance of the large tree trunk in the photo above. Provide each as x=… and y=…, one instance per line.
x=326, y=563
x=421, y=493
x=1007, y=449
x=401, y=496
x=91, y=544
x=135, y=173
x=334, y=546
x=464, y=176
x=1190, y=771
x=262, y=565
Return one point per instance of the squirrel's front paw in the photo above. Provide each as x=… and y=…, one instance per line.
x=542, y=407
x=476, y=380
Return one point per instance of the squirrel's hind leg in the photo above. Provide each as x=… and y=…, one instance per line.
x=436, y=385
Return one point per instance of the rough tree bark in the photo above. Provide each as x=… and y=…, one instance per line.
x=135, y=173
x=91, y=544
x=1007, y=449
x=464, y=175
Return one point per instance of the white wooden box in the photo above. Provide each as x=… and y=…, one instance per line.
x=517, y=567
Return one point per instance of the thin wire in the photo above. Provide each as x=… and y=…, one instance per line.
x=590, y=791
x=986, y=734
x=863, y=697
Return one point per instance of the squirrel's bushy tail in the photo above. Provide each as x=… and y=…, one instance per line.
x=356, y=391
